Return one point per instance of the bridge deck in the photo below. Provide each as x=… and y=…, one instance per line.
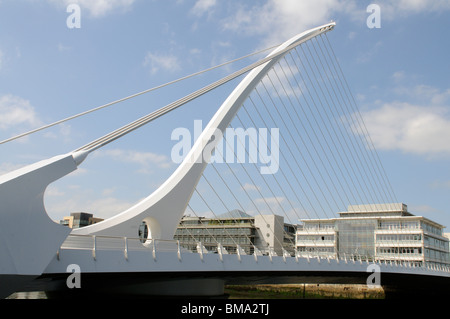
x=169, y=270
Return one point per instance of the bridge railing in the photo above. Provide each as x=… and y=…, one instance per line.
x=96, y=243
x=125, y=244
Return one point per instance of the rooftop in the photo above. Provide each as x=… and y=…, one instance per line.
x=387, y=209
x=378, y=208
x=379, y=211
x=235, y=213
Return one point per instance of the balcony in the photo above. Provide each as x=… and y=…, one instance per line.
x=316, y=243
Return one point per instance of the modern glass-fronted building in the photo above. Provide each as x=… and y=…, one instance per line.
x=383, y=232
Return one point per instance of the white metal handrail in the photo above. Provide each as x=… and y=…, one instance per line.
x=95, y=243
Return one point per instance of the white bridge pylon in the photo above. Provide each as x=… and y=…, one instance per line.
x=29, y=238
x=31, y=244
x=163, y=209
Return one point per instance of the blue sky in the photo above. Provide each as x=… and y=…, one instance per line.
x=398, y=74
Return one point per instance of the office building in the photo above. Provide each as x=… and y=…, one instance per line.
x=79, y=219
x=234, y=228
x=382, y=232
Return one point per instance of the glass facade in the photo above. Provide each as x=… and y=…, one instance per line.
x=356, y=238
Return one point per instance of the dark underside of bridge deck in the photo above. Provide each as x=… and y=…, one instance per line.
x=103, y=284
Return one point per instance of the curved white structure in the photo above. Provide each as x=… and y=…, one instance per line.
x=113, y=259
x=29, y=239
x=163, y=209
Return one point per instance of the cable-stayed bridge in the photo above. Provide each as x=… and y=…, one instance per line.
x=287, y=141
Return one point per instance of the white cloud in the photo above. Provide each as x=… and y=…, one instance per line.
x=58, y=206
x=270, y=200
x=16, y=111
x=250, y=187
x=416, y=121
x=63, y=134
x=203, y=6
x=277, y=20
x=425, y=93
x=109, y=191
x=366, y=56
x=17, y=115
x=195, y=51
x=97, y=8
x=63, y=48
x=108, y=207
x=398, y=76
x=280, y=19
x=145, y=160
x=269, y=205
x=166, y=62
x=54, y=191
x=410, y=128
x=352, y=35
